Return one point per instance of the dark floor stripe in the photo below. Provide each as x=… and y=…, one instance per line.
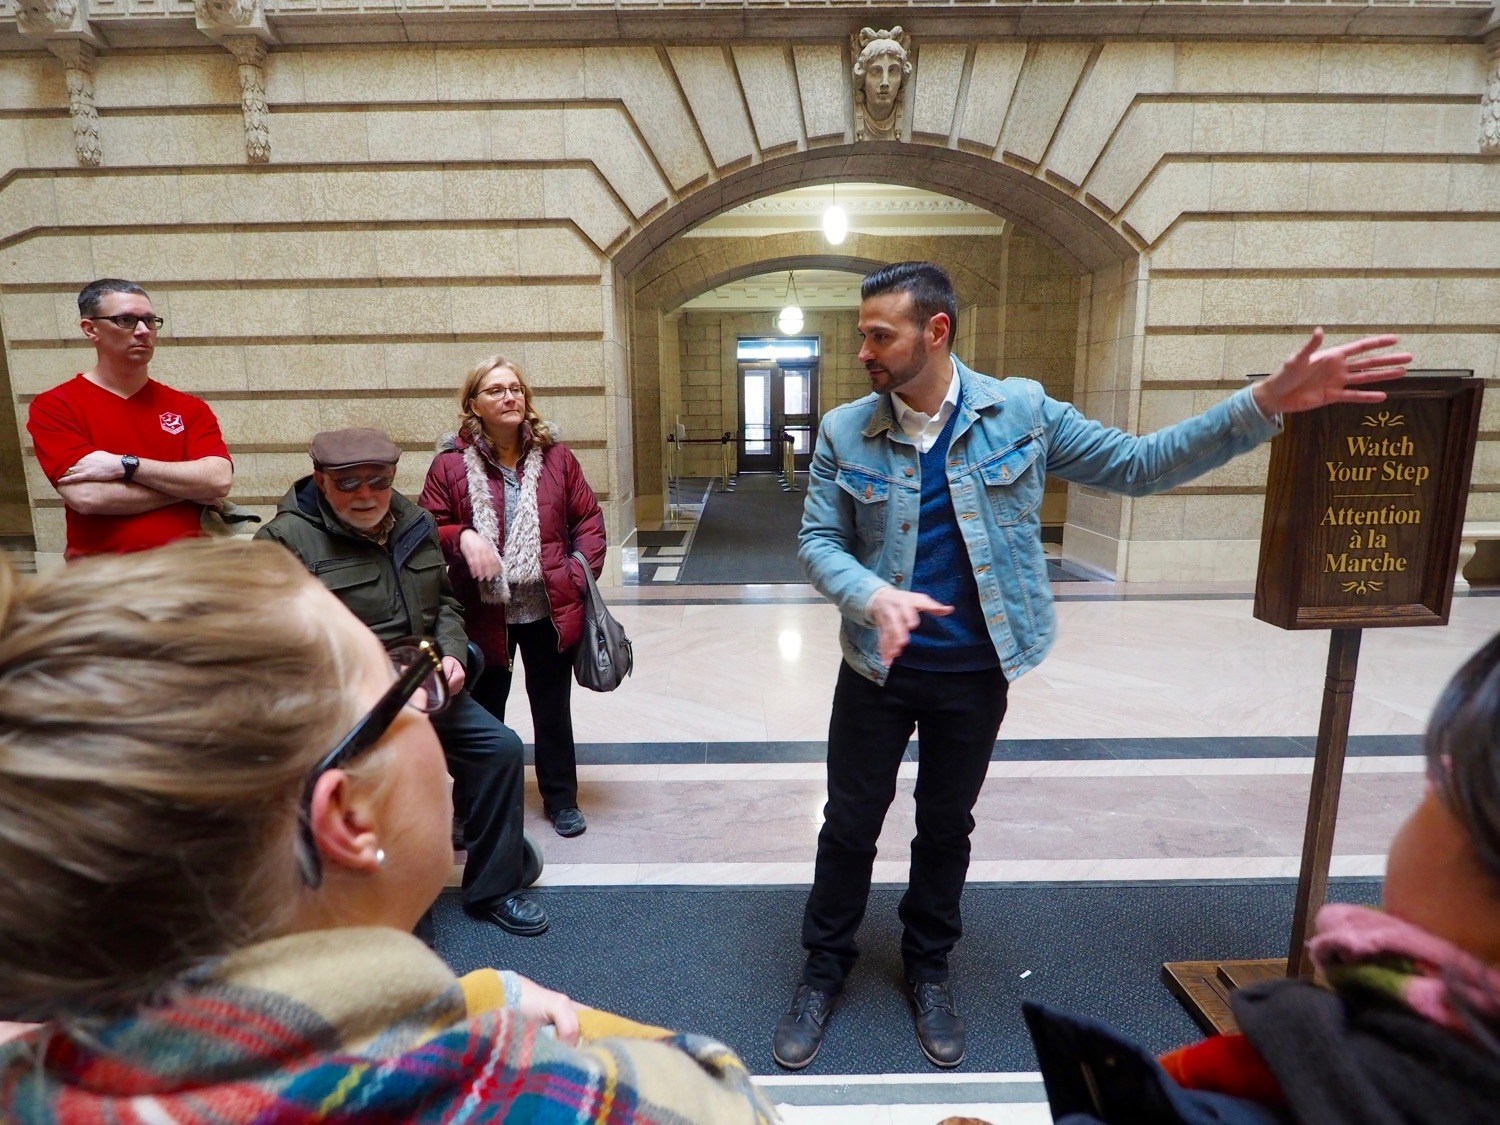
x=1006, y=750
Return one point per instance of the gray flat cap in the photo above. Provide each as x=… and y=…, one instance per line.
x=339, y=449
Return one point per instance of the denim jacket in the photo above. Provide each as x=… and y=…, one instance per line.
x=864, y=493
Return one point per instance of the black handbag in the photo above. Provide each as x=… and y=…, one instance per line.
x=603, y=657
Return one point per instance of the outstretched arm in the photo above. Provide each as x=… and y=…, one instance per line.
x=1316, y=376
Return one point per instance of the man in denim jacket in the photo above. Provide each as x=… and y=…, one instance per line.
x=923, y=525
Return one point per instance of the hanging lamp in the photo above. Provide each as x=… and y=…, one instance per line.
x=789, y=320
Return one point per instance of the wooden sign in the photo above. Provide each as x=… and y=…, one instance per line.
x=1364, y=508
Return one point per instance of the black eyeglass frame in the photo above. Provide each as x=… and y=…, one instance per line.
x=152, y=322
x=365, y=734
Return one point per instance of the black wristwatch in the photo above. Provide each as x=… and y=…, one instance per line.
x=131, y=463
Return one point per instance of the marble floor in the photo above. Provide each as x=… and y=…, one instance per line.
x=1167, y=736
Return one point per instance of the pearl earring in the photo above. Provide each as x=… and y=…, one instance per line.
x=379, y=857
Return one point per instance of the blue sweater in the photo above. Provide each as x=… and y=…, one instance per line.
x=959, y=642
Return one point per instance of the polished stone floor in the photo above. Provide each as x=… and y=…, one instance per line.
x=1168, y=736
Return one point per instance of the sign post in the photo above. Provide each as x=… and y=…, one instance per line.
x=1362, y=527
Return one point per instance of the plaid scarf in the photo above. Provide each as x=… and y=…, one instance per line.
x=359, y=1025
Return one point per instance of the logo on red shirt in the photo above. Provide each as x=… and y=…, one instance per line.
x=172, y=423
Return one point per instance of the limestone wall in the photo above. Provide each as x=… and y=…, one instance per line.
x=427, y=202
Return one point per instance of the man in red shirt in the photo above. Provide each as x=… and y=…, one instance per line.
x=134, y=461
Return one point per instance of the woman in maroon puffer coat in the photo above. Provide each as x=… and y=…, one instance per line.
x=511, y=506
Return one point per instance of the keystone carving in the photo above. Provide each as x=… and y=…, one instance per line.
x=881, y=68
x=1489, y=105
x=78, y=59
x=250, y=53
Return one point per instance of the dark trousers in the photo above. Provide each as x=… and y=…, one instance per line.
x=549, y=686
x=956, y=716
x=488, y=766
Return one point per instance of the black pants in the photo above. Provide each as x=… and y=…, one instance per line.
x=549, y=686
x=957, y=716
x=488, y=766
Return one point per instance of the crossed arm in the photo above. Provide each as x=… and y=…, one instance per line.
x=95, y=485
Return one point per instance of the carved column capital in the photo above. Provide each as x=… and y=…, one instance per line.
x=250, y=56
x=1489, y=102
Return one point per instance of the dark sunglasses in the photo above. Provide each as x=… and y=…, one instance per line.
x=418, y=664
x=352, y=484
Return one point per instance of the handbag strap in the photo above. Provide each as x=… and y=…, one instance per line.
x=595, y=599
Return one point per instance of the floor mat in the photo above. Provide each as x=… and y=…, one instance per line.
x=724, y=960
x=747, y=536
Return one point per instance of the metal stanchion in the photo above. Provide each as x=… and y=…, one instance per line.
x=788, y=464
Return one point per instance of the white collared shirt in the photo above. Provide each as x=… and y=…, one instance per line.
x=924, y=429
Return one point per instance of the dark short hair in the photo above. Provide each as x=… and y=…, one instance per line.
x=929, y=285
x=90, y=295
x=1463, y=752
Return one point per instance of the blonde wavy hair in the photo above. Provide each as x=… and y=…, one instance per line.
x=159, y=713
x=470, y=423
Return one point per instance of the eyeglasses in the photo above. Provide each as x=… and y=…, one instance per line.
x=418, y=664
x=498, y=393
x=353, y=484
x=128, y=322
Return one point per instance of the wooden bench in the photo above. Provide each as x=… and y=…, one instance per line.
x=1474, y=533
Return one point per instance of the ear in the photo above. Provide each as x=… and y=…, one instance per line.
x=343, y=824
x=89, y=329
x=941, y=328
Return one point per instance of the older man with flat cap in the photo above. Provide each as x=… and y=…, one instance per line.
x=378, y=552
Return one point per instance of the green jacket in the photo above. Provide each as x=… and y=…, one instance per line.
x=398, y=590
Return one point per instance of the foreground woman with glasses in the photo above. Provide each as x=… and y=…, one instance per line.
x=221, y=811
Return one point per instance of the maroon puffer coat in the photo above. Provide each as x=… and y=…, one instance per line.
x=570, y=521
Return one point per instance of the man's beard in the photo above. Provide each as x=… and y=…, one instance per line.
x=896, y=379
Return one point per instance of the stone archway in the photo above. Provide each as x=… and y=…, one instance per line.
x=662, y=269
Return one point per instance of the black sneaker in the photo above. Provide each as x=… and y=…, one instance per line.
x=514, y=915
x=569, y=822
x=799, y=1033
x=940, y=1029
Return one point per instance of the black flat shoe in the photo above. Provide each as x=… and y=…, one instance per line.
x=569, y=822
x=514, y=915
x=799, y=1033
x=940, y=1029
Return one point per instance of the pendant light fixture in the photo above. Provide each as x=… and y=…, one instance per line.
x=789, y=320
x=835, y=222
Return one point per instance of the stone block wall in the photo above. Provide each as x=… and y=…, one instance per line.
x=429, y=197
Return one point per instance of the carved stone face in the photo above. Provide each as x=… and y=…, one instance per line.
x=883, y=73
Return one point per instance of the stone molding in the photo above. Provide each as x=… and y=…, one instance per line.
x=51, y=19
x=327, y=21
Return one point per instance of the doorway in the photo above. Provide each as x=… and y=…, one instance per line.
x=778, y=385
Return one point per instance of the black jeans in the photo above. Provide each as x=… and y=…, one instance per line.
x=488, y=766
x=549, y=686
x=956, y=716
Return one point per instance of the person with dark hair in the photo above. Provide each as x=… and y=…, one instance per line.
x=922, y=524
x=1408, y=1027
x=134, y=461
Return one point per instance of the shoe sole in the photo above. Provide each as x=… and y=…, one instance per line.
x=779, y=1061
x=938, y=1062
